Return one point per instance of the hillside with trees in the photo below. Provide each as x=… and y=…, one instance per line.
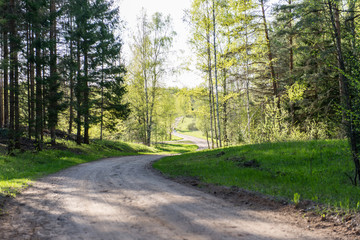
x=60, y=70
x=271, y=72
x=277, y=108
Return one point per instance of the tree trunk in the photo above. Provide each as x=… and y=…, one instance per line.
x=39, y=100
x=216, y=77
x=71, y=76
x=28, y=77
x=2, y=103
x=16, y=91
x=344, y=87
x=147, y=117
x=270, y=55
x=6, y=77
x=247, y=81
x=32, y=82
x=86, y=99
x=207, y=138
x=53, y=88
x=226, y=140
x=2, y=94
x=28, y=73
x=44, y=91
x=214, y=114
x=102, y=101
x=2, y=97
x=291, y=66
x=13, y=57
x=210, y=90
x=78, y=95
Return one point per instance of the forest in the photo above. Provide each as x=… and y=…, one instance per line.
x=271, y=72
x=269, y=137
x=60, y=70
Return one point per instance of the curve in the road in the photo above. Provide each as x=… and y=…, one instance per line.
x=123, y=198
x=202, y=143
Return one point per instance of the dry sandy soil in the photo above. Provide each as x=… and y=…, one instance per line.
x=124, y=198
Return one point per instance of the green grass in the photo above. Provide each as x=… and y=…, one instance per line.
x=174, y=148
x=315, y=170
x=16, y=172
x=183, y=128
x=197, y=134
x=175, y=138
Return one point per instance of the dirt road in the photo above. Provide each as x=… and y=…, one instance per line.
x=123, y=198
x=202, y=143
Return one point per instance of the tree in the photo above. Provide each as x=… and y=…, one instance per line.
x=5, y=63
x=150, y=48
x=201, y=23
x=216, y=74
x=270, y=53
x=14, y=131
x=333, y=8
x=95, y=47
x=112, y=105
x=54, y=95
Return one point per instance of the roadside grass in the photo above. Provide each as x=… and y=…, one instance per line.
x=311, y=170
x=184, y=123
x=175, y=138
x=17, y=172
x=197, y=134
x=175, y=148
x=183, y=128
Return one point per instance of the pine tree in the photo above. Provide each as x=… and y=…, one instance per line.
x=5, y=62
x=54, y=95
x=95, y=48
x=14, y=131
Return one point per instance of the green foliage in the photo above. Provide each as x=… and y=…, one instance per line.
x=303, y=57
x=152, y=113
x=296, y=199
x=275, y=126
x=296, y=91
x=186, y=126
x=283, y=170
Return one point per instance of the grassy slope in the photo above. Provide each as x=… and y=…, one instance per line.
x=175, y=148
x=315, y=169
x=183, y=128
x=17, y=171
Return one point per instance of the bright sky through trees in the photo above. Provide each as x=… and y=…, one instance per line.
x=130, y=10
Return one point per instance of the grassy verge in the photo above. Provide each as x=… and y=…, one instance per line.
x=175, y=138
x=187, y=126
x=197, y=134
x=16, y=172
x=175, y=148
x=313, y=170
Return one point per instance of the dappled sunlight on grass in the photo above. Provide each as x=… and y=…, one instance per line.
x=16, y=171
x=197, y=134
x=317, y=170
x=187, y=126
x=172, y=148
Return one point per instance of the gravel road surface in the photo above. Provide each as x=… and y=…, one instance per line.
x=123, y=198
x=202, y=143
